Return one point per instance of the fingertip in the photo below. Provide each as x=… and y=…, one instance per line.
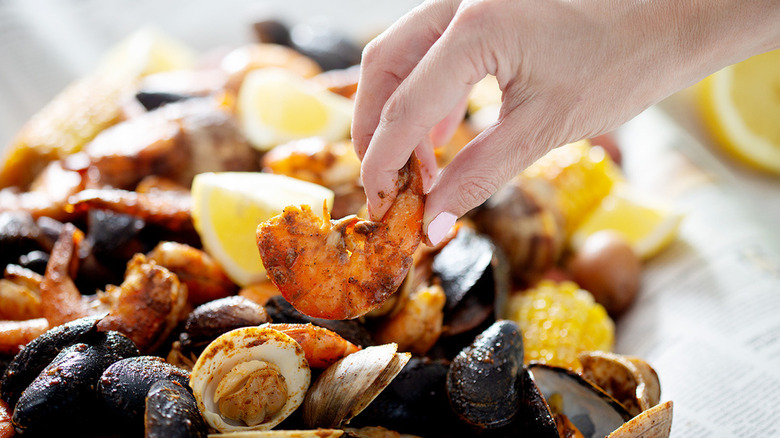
x=437, y=229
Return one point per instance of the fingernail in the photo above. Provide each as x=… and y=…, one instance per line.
x=440, y=226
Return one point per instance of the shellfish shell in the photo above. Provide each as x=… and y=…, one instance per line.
x=246, y=347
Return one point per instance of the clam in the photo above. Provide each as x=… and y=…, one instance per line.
x=219, y=316
x=592, y=411
x=317, y=433
x=655, y=422
x=250, y=378
x=414, y=402
x=345, y=388
x=631, y=381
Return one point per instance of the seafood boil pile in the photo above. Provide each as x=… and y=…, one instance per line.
x=133, y=301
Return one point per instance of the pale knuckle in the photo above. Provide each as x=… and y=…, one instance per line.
x=475, y=191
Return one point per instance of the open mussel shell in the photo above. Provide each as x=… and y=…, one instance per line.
x=481, y=383
x=172, y=412
x=64, y=391
x=250, y=378
x=124, y=385
x=26, y=365
x=631, y=381
x=345, y=388
x=591, y=410
x=655, y=422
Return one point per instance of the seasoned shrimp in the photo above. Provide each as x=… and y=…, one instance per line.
x=322, y=347
x=204, y=277
x=14, y=334
x=60, y=299
x=343, y=269
x=147, y=306
x=418, y=324
x=171, y=210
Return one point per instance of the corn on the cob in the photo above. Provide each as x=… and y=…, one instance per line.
x=582, y=176
x=559, y=321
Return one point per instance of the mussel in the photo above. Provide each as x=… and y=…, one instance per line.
x=250, y=378
x=475, y=277
x=26, y=365
x=64, y=392
x=482, y=380
x=216, y=317
x=414, y=402
x=172, y=412
x=123, y=386
x=591, y=410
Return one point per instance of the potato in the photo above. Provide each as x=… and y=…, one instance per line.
x=607, y=267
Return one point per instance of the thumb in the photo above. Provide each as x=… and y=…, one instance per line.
x=481, y=168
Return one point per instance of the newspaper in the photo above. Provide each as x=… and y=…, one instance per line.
x=706, y=317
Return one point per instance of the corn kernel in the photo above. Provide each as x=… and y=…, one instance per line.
x=559, y=321
x=582, y=176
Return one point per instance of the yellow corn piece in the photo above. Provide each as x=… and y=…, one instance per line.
x=582, y=176
x=559, y=321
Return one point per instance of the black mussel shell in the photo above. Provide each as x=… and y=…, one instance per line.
x=64, y=392
x=152, y=100
x=19, y=234
x=326, y=47
x=123, y=385
x=272, y=32
x=591, y=410
x=26, y=365
x=172, y=412
x=214, y=318
x=113, y=235
x=481, y=382
x=414, y=402
x=475, y=277
x=534, y=417
x=35, y=261
x=281, y=311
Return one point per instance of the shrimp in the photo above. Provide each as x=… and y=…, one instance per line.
x=14, y=334
x=204, y=277
x=418, y=324
x=18, y=302
x=322, y=347
x=6, y=427
x=60, y=299
x=343, y=269
x=147, y=306
x=170, y=210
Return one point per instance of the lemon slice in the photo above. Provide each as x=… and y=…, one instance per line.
x=647, y=224
x=740, y=106
x=276, y=106
x=228, y=206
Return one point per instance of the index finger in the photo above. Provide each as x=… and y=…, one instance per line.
x=388, y=60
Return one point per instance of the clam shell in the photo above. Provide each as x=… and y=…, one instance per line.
x=655, y=422
x=318, y=433
x=243, y=345
x=349, y=385
x=637, y=389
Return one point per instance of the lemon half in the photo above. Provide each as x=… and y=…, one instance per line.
x=228, y=206
x=740, y=106
x=648, y=225
x=276, y=106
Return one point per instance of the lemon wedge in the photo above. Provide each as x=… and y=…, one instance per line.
x=740, y=106
x=276, y=106
x=228, y=206
x=647, y=224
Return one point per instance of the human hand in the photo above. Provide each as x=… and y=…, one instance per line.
x=567, y=70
